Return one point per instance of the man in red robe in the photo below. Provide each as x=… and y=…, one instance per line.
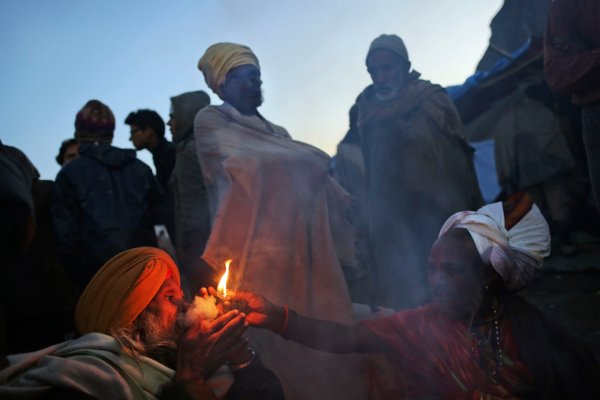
x=476, y=339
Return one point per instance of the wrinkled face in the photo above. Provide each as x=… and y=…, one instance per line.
x=140, y=137
x=71, y=153
x=388, y=72
x=456, y=274
x=242, y=89
x=168, y=303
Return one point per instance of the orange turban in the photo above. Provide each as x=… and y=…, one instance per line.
x=122, y=289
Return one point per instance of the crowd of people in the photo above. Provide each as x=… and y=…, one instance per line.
x=396, y=224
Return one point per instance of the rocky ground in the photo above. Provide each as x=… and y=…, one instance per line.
x=569, y=289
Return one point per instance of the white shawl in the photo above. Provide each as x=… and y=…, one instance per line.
x=94, y=364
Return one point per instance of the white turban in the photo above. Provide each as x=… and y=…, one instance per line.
x=516, y=254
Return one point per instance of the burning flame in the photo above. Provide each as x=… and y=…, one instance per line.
x=222, y=287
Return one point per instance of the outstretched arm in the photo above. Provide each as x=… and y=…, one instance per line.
x=318, y=334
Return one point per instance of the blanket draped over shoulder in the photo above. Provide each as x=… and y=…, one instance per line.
x=80, y=365
x=419, y=171
x=95, y=365
x=280, y=217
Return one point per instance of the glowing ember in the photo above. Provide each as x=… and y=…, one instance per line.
x=222, y=287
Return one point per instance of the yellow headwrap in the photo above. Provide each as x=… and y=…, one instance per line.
x=122, y=289
x=220, y=58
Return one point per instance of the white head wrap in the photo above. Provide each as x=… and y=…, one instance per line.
x=516, y=254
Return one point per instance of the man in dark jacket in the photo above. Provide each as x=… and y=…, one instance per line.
x=106, y=201
x=148, y=132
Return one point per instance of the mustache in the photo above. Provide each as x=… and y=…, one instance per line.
x=255, y=92
x=383, y=86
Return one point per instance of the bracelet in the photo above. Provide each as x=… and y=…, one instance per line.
x=243, y=365
x=286, y=318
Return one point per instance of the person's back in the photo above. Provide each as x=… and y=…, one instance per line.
x=106, y=201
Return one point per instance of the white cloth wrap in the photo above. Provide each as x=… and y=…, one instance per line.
x=516, y=254
x=94, y=364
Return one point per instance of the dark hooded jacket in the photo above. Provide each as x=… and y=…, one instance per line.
x=17, y=215
x=192, y=215
x=104, y=202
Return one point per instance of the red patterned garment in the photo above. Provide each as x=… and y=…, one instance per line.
x=435, y=356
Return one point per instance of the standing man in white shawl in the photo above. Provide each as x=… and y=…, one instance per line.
x=280, y=217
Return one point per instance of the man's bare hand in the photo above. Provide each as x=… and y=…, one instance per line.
x=206, y=345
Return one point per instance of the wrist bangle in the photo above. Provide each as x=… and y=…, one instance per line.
x=237, y=367
x=286, y=318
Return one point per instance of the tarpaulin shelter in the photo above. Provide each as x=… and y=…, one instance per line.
x=512, y=105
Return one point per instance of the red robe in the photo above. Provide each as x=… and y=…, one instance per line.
x=433, y=355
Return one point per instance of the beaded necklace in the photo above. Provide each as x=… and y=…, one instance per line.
x=488, y=338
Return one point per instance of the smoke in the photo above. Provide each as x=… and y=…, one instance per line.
x=203, y=308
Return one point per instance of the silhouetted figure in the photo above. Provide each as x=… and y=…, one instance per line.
x=105, y=201
x=37, y=297
x=17, y=212
x=572, y=66
x=192, y=216
x=69, y=150
x=17, y=222
x=419, y=170
x=147, y=130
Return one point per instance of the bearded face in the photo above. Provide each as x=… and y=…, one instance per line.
x=155, y=332
x=242, y=89
x=388, y=72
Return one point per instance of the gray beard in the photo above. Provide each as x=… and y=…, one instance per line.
x=386, y=97
x=151, y=338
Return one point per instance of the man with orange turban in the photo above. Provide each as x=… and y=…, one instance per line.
x=132, y=346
